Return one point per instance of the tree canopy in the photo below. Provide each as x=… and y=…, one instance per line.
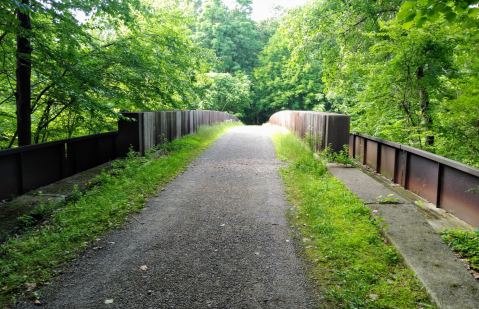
x=135, y=55
x=404, y=70
x=403, y=83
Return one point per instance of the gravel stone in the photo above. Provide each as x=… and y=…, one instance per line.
x=217, y=237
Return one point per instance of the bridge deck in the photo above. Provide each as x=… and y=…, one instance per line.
x=216, y=237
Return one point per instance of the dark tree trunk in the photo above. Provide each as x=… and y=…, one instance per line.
x=13, y=140
x=425, y=113
x=23, y=73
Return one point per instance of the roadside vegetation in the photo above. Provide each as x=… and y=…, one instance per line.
x=351, y=262
x=466, y=244
x=52, y=238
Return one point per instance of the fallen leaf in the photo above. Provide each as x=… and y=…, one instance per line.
x=257, y=253
x=476, y=276
x=144, y=267
x=222, y=224
x=4, y=288
x=111, y=242
x=306, y=239
x=304, y=224
x=37, y=302
x=96, y=248
x=309, y=247
x=373, y=296
x=109, y=301
x=30, y=286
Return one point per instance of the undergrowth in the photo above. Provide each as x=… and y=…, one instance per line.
x=351, y=263
x=37, y=254
x=465, y=243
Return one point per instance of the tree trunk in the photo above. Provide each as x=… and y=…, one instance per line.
x=13, y=140
x=23, y=73
x=425, y=113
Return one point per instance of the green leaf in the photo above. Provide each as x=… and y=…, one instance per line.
x=406, y=8
x=410, y=16
x=408, y=25
x=472, y=12
x=450, y=17
x=402, y=14
x=421, y=22
x=431, y=2
x=438, y=8
x=434, y=18
x=408, y=5
x=458, y=10
x=463, y=5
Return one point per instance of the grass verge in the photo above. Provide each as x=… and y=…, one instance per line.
x=350, y=261
x=33, y=258
x=466, y=244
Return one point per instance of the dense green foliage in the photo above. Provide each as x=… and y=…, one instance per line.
x=283, y=84
x=465, y=243
x=130, y=55
x=350, y=261
x=225, y=92
x=412, y=85
x=417, y=13
x=404, y=70
x=35, y=256
x=230, y=33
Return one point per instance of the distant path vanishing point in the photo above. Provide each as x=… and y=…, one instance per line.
x=217, y=237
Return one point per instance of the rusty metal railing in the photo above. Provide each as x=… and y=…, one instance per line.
x=448, y=184
x=27, y=168
x=333, y=129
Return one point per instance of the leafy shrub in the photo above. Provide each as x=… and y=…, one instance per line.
x=466, y=243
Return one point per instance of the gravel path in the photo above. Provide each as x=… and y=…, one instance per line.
x=217, y=237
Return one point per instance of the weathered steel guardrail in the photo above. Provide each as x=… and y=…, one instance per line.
x=333, y=129
x=448, y=184
x=152, y=128
x=27, y=168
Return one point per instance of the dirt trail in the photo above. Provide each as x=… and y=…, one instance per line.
x=217, y=237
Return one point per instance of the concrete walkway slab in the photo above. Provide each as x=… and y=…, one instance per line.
x=54, y=193
x=446, y=279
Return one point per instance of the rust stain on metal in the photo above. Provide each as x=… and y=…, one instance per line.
x=372, y=154
x=423, y=175
x=388, y=161
x=457, y=197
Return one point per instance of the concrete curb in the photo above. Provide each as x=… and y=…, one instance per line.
x=54, y=193
x=446, y=279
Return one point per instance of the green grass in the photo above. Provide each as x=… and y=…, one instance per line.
x=350, y=262
x=465, y=243
x=37, y=255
